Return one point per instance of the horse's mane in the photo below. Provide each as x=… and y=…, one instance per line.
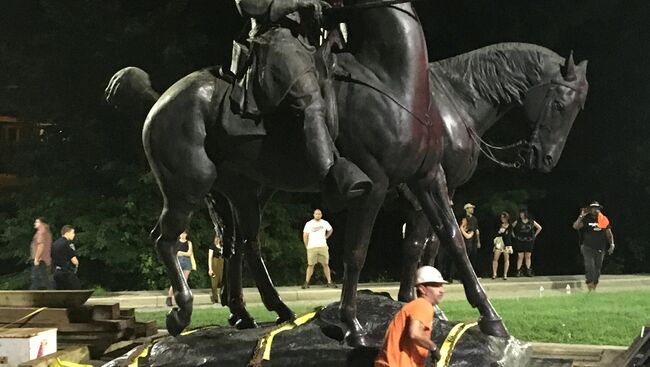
x=499, y=73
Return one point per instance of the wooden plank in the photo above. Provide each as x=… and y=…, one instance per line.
x=106, y=312
x=127, y=312
x=56, y=316
x=104, y=336
x=145, y=328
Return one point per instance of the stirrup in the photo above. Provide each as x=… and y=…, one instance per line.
x=349, y=179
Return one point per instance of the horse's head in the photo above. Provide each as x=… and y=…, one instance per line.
x=552, y=107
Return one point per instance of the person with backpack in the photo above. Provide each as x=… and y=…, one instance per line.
x=524, y=231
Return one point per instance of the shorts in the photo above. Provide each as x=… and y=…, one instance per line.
x=507, y=250
x=185, y=262
x=525, y=246
x=318, y=255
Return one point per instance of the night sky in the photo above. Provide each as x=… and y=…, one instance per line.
x=57, y=56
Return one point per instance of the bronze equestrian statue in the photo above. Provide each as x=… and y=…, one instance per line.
x=389, y=128
x=131, y=78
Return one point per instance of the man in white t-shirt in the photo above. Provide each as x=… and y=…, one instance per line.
x=314, y=236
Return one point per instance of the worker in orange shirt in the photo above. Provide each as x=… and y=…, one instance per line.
x=408, y=339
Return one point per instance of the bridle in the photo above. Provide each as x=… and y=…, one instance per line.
x=488, y=149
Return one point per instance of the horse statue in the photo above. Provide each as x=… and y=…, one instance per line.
x=388, y=127
x=473, y=91
x=134, y=79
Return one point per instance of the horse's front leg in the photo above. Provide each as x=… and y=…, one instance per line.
x=362, y=213
x=434, y=199
x=413, y=244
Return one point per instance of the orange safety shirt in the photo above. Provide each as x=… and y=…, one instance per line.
x=399, y=350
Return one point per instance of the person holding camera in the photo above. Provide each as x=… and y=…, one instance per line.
x=596, y=237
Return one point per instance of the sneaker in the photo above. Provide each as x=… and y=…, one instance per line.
x=505, y=277
x=305, y=285
x=530, y=273
x=520, y=273
x=331, y=285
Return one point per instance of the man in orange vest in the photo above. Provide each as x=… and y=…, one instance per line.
x=408, y=339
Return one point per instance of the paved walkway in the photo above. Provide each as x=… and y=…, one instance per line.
x=498, y=288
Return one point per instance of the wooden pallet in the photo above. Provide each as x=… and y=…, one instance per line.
x=97, y=326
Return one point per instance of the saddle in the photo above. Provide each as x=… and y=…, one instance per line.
x=245, y=96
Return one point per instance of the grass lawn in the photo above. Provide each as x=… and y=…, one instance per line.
x=583, y=318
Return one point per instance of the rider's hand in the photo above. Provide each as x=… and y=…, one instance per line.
x=316, y=5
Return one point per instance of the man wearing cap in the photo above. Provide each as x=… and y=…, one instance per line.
x=471, y=234
x=596, y=236
x=408, y=337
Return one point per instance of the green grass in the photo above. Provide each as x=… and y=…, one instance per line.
x=596, y=318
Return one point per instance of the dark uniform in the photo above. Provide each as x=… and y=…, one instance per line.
x=593, y=246
x=284, y=69
x=65, y=272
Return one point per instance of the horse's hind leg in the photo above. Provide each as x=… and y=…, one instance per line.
x=417, y=229
x=437, y=206
x=247, y=207
x=185, y=176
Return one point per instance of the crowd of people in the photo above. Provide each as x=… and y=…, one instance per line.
x=55, y=263
x=519, y=236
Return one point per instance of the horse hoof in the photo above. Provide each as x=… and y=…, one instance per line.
x=282, y=319
x=232, y=320
x=493, y=327
x=246, y=323
x=176, y=323
x=284, y=314
x=356, y=339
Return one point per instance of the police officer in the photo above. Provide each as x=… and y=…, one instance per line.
x=64, y=260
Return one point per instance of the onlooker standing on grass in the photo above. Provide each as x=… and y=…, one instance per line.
x=314, y=236
x=215, y=268
x=408, y=338
x=41, y=256
x=502, y=245
x=64, y=260
x=184, y=257
x=525, y=230
x=596, y=237
x=471, y=234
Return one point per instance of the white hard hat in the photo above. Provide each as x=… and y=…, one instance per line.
x=428, y=274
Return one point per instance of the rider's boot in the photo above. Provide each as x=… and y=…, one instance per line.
x=348, y=179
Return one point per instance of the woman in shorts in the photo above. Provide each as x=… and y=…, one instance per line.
x=502, y=245
x=184, y=257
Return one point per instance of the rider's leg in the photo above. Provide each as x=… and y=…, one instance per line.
x=306, y=99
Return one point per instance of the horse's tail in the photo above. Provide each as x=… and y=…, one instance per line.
x=130, y=90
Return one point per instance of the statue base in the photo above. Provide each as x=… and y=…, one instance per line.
x=319, y=342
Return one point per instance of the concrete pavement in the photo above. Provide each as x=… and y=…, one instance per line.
x=498, y=288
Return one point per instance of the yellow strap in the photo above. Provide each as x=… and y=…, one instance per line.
x=60, y=363
x=268, y=340
x=450, y=343
x=24, y=317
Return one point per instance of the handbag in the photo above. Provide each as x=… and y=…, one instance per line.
x=498, y=243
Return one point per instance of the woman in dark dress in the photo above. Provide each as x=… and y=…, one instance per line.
x=525, y=230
